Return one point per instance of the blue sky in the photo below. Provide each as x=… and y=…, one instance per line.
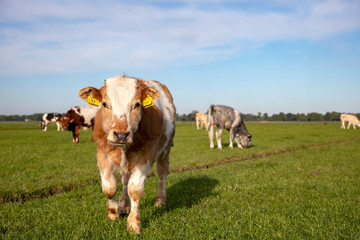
x=254, y=55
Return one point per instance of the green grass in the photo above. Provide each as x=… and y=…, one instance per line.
x=33, y=161
x=310, y=193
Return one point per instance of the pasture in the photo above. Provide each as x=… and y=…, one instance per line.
x=296, y=181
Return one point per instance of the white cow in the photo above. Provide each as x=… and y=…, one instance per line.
x=352, y=119
x=201, y=120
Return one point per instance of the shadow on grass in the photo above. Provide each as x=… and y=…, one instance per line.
x=189, y=192
x=185, y=194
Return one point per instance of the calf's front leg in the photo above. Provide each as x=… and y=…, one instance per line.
x=76, y=133
x=237, y=140
x=108, y=184
x=135, y=190
x=124, y=202
x=232, y=136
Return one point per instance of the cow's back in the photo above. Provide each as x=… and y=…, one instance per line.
x=85, y=114
x=348, y=117
x=89, y=113
x=221, y=116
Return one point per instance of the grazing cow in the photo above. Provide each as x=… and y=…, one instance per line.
x=77, y=117
x=50, y=118
x=201, y=119
x=226, y=117
x=352, y=119
x=134, y=128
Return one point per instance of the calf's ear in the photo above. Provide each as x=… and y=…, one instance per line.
x=149, y=91
x=90, y=91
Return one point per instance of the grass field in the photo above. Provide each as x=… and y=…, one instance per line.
x=297, y=181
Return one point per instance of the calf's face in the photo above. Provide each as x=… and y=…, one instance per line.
x=245, y=140
x=244, y=135
x=65, y=122
x=121, y=107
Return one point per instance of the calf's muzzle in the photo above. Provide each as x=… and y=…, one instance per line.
x=121, y=137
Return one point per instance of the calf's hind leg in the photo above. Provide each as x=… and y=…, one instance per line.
x=211, y=135
x=218, y=137
x=162, y=165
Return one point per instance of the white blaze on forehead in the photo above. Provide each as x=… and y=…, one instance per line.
x=121, y=91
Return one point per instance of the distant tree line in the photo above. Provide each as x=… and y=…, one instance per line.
x=298, y=117
x=32, y=117
x=302, y=117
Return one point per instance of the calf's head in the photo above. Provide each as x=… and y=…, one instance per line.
x=244, y=135
x=65, y=122
x=122, y=102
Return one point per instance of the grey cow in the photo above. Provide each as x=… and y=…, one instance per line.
x=226, y=117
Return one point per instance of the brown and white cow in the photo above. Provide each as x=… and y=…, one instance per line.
x=77, y=117
x=352, y=119
x=134, y=128
x=201, y=119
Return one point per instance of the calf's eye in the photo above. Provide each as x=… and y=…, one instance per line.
x=137, y=105
x=104, y=105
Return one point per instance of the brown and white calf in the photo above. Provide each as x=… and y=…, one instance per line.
x=77, y=117
x=201, y=119
x=352, y=119
x=134, y=128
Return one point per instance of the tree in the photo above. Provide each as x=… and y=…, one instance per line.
x=265, y=116
x=282, y=116
x=314, y=116
x=183, y=118
x=290, y=117
x=301, y=117
x=335, y=116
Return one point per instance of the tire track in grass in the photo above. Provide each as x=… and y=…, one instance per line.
x=256, y=156
x=45, y=193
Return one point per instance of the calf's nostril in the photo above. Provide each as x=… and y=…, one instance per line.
x=122, y=136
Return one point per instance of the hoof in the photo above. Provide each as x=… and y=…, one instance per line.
x=132, y=231
x=113, y=216
x=133, y=224
x=112, y=213
x=124, y=212
x=159, y=202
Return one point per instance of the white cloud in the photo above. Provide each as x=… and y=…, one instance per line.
x=55, y=37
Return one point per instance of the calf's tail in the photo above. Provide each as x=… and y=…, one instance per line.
x=209, y=117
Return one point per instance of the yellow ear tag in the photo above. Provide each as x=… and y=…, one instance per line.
x=147, y=102
x=93, y=101
x=71, y=121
